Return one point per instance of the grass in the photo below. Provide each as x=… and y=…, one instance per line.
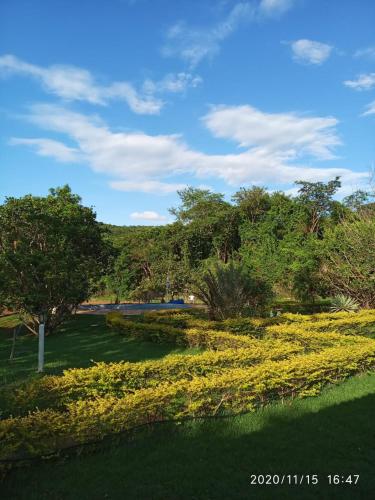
x=214, y=459
x=82, y=340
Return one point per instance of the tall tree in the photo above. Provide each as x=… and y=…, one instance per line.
x=253, y=203
x=317, y=198
x=51, y=250
x=211, y=224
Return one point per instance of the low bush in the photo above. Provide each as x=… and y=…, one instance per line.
x=189, y=337
x=311, y=339
x=344, y=322
x=118, y=379
x=235, y=391
x=153, y=332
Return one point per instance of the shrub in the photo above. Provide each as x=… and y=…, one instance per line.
x=353, y=276
x=118, y=379
x=190, y=337
x=235, y=391
x=343, y=303
x=352, y=323
x=227, y=289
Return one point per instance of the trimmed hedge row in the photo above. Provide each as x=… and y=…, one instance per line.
x=342, y=321
x=347, y=323
x=191, y=337
x=234, y=391
x=117, y=379
x=362, y=316
x=247, y=326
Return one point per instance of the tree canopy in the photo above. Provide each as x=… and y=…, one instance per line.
x=51, y=252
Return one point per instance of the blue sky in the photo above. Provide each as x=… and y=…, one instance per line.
x=129, y=100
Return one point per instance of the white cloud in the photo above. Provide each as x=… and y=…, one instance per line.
x=148, y=215
x=147, y=186
x=49, y=147
x=310, y=52
x=365, y=81
x=370, y=109
x=142, y=162
x=287, y=132
x=367, y=52
x=275, y=7
x=72, y=83
x=172, y=82
x=195, y=44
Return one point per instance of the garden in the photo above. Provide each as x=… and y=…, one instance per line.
x=204, y=369
x=264, y=384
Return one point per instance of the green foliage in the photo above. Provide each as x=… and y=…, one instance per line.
x=210, y=224
x=253, y=203
x=348, y=257
x=317, y=198
x=227, y=289
x=358, y=200
x=51, y=250
x=344, y=303
x=234, y=391
x=122, y=278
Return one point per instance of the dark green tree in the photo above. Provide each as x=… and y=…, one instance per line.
x=317, y=198
x=51, y=251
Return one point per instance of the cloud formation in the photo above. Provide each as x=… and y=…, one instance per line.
x=276, y=147
x=193, y=44
x=51, y=148
x=367, y=52
x=310, y=52
x=77, y=84
x=148, y=215
x=275, y=7
x=172, y=82
x=147, y=186
x=365, y=81
x=370, y=109
x=287, y=132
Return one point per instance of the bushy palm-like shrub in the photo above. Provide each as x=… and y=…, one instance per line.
x=229, y=289
x=343, y=303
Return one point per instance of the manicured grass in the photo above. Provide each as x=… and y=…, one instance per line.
x=84, y=339
x=214, y=459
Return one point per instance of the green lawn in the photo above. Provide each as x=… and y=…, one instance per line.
x=214, y=459
x=79, y=342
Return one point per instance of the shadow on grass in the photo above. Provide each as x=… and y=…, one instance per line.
x=214, y=459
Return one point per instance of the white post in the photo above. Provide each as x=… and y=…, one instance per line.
x=41, y=347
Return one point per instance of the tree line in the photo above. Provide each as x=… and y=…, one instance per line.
x=305, y=246
x=54, y=254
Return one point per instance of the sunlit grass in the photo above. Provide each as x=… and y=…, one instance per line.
x=79, y=343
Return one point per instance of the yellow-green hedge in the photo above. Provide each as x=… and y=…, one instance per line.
x=117, y=379
x=364, y=316
x=341, y=321
x=347, y=323
x=243, y=326
x=236, y=390
x=189, y=337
